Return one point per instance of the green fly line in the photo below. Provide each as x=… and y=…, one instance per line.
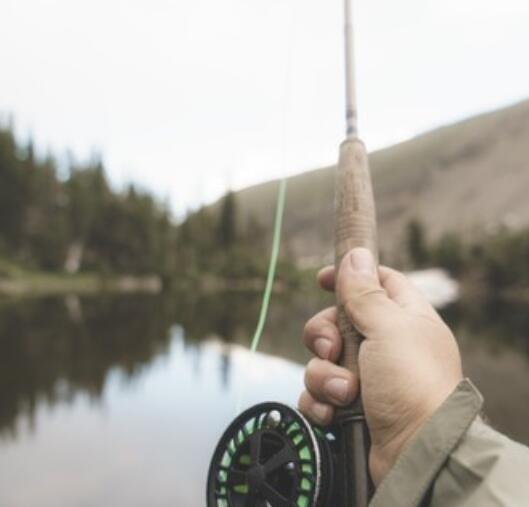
x=282, y=191
x=280, y=205
x=272, y=267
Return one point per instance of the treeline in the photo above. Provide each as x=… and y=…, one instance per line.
x=499, y=260
x=217, y=240
x=75, y=222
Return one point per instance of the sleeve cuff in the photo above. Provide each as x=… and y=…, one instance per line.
x=412, y=475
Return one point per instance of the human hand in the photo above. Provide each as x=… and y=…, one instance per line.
x=409, y=362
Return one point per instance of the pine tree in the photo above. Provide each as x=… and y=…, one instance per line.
x=416, y=244
x=227, y=227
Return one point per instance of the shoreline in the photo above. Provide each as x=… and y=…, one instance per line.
x=44, y=284
x=436, y=284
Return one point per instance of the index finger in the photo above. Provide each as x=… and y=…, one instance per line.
x=396, y=284
x=326, y=278
x=401, y=290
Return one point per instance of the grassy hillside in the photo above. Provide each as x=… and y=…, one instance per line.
x=471, y=178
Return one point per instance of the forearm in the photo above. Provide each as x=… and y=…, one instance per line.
x=486, y=468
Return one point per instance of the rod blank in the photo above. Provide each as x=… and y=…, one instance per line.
x=350, y=85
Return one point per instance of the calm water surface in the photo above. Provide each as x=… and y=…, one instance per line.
x=120, y=401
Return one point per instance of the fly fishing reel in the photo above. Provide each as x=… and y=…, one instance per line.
x=271, y=456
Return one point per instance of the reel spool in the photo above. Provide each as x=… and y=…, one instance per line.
x=271, y=456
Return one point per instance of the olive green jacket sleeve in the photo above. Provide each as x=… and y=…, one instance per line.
x=457, y=460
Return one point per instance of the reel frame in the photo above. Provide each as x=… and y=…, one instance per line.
x=271, y=456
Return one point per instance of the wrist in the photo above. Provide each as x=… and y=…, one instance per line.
x=390, y=441
x=385, y=452
x=418, y=465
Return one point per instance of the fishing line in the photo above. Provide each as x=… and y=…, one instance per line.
x=272, y=267
x=282, y=191
x=280, y=203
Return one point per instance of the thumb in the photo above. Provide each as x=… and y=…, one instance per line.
x=360, y=294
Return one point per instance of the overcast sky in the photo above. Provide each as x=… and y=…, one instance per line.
x=188, y=97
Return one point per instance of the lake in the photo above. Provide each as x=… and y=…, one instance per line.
x=119, y=401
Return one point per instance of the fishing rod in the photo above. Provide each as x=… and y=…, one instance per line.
x=270, y=455
x=355, y=226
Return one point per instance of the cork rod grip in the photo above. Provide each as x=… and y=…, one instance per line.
x=355, y=226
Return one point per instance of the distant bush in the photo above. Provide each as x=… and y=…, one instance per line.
x=504, y=259
x=500, y=260
x=217, y=244
x=449, y=253
x=416, y=244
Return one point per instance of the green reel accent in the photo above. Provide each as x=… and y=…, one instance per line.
x=270, y=456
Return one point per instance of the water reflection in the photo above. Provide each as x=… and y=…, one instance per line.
x=494, y=341
x=119, y=401
x=52, y=348
x=141, y=433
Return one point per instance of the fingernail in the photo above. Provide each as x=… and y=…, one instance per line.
x=319, y=412
x=362, y=261
x=337, y=389
x=322, y=346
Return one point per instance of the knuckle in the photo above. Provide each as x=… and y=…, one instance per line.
x=321, y=324
x=317, y=364
x=312, y=375
x=394, y=273
x=305, y=403
x=309, y=338
x=308, y=328
x=307, y=375
x=370, y=298
x=303, y=400
x=400, y=277
x=371, y=294
x=354, y=312
x=317, y=412
x=312, y=367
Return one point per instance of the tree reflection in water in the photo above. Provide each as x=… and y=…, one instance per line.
x=54, y=348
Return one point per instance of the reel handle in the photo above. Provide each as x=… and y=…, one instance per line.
x=355, y=226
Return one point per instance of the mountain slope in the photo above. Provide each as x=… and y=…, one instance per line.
x=470, y=177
